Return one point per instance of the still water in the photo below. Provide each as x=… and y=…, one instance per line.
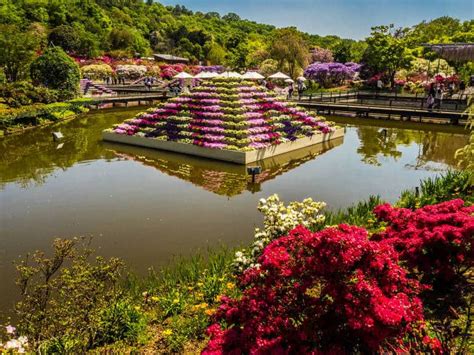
x=146, y=206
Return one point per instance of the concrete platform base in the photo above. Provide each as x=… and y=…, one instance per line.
x=222, y=154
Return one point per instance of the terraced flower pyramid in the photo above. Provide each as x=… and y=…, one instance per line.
x=225, y=114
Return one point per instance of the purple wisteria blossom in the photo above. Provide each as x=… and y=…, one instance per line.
x=328, y=74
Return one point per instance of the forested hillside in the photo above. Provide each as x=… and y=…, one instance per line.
x=128, y=27
x=131, y=28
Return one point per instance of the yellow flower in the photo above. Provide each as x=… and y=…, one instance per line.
x=200, y=295
x=203, y=305
x=218, y=298
x=167, y=332
x=190, y=288
x=210, y=311
x=176, y=301
x=230, y=285
x=199, y=284
x=155, y=298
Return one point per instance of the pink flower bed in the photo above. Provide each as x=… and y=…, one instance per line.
x=217, y=111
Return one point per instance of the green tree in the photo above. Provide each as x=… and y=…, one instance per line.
x=216, y=54
x=289, y=49
x=387, y=51
x=56, y=70
x=342, y=52
x=65, y=37
x=17, y=50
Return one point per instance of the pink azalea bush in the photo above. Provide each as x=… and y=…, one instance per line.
x=340, y=290
x=331, y=291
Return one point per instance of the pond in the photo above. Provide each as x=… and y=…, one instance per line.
x=146, y=206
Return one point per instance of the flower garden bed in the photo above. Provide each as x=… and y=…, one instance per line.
x=229, y=120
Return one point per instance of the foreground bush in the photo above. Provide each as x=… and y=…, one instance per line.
x=71, y=304
x=436, y=244
x=340, y=291
x=331, y=291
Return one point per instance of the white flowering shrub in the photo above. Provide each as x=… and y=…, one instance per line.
x=15, y=345
x=278, y=220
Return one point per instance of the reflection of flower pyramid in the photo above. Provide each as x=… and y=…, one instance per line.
x=227, y=115
x=219, y=177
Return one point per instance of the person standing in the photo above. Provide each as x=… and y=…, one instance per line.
x=430, y=101
x=301, y=88
x=438, y=98
x=290, y=91
x=379, y=85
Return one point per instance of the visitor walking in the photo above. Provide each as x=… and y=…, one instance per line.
x=432, y=90
x=291, y=88
x=301, y=88
x=438, y=98
x=462, y=87
x=430, y=102
x=379, y=85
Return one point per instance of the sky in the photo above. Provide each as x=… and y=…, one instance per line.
x=345, y=18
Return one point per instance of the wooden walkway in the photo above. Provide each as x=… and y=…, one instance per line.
x=362, y=110
x=135, y=100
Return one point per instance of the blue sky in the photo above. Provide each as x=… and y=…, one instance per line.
x=345, y=18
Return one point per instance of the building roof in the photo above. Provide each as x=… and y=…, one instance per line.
x=458, y=52
x=170, y=58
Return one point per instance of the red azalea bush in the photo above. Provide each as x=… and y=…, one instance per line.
x=436, y=243
x=436, y=240
x=330, y=291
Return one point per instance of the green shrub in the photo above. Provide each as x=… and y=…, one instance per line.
x=23, y=93
x=56, y=70
x=71, y=302
x=453, y=184
x=120, y=321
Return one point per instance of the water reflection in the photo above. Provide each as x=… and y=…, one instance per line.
x=434, y=146
x=219, y=177
x=31, y=157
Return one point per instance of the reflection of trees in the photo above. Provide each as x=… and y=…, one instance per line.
x=33, y=156
x=433, y=146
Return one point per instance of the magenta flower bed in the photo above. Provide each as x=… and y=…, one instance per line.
x=226, y=114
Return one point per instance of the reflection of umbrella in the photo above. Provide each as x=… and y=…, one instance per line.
x=252, y=75
x=183, y=75
x=301, y=78
x=206, y=75
x=279, y=75
x=289, y=81
x=230, y=74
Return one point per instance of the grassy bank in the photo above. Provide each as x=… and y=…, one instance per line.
x=14, y=120
x=74, y=303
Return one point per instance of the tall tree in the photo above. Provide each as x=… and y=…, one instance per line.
x=17, y=50
x=387, y=51
x=290, y=50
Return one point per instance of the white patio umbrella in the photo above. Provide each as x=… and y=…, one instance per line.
x=206, y=75
x=279, y=75
x=289, y=81
x=253, y=75
x=183, y=75
x=301, y=78
x=230, y=74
